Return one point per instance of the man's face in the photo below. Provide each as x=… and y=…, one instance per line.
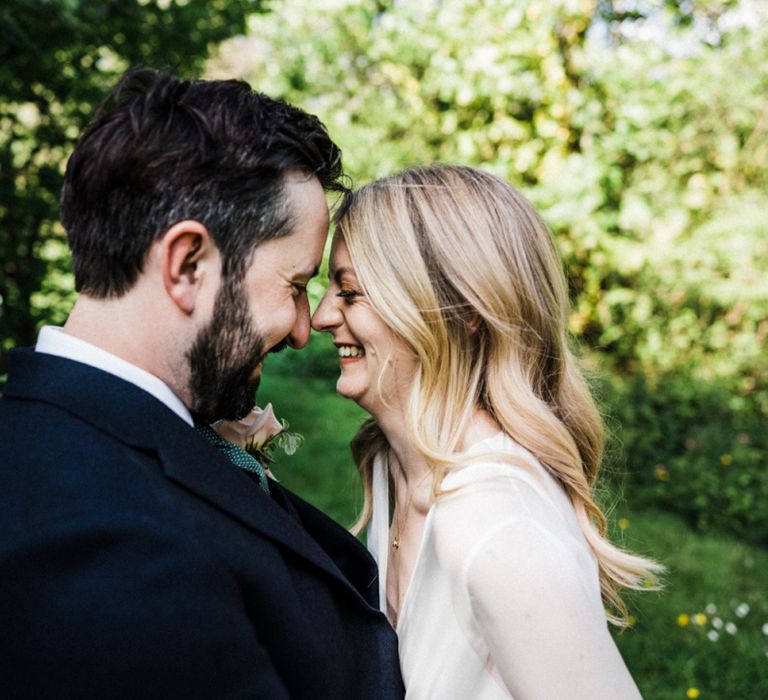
x=262, y=312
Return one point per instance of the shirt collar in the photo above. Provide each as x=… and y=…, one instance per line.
x=55, y=341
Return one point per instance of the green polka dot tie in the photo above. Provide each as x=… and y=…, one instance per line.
x=237, y=455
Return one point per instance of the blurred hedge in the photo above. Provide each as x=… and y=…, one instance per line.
x=694, y=448
x=641, y=134
x=642, y=137
x=57, y=60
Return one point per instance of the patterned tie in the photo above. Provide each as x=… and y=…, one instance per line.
x=237, y=455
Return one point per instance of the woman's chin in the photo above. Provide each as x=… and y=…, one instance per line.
x=348, y=390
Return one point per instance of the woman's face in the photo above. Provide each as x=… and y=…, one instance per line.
x=377, y=366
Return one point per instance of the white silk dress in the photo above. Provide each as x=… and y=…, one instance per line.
x=504, y=601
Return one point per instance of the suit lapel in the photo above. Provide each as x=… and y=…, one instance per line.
x=197, y=466
x=136, y=418
x=355, y=562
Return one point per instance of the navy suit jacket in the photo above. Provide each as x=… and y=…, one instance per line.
x=137, y=562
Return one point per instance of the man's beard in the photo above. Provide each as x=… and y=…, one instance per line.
x=223, y=358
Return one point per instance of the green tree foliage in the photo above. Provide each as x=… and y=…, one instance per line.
x=57, y=59
x=640, y=131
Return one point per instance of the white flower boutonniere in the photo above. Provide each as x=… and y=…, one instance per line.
x=260, y=433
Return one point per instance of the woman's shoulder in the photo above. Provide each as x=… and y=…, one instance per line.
x=498, y=465
x=503, y=488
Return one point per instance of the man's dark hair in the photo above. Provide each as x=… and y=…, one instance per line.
x=161, y=150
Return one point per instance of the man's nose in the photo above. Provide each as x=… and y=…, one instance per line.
x=299, y=335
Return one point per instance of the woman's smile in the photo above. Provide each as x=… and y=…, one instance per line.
x=350, y=353
x=377, y=366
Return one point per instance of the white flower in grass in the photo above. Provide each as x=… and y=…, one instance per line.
x=711, y=608
x=713, y=636
x=765, y=629
x=742, y=609
x=717, y=623
x=730, y=627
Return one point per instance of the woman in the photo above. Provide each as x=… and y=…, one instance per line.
x=448, y=305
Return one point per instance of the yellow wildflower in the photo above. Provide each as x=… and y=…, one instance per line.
x=700, y=619
x=623, y=523
x=683, y=620
x=692, y=693
x=726, y=459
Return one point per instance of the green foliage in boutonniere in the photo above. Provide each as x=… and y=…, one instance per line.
x=286, y=441
x=261, y=434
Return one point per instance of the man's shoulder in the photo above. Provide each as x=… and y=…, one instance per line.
x=33, y=429
x=61, y=460
x=53, y=463
x=46, y=395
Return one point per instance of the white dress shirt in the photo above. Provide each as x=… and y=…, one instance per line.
x=55, y=341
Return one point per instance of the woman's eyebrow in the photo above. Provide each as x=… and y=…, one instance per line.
x=337, y=273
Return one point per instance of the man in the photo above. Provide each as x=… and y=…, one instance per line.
x=137, y=561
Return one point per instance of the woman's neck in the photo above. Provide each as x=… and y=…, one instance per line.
x=413, y=481
x=481, y=427
x=409, y=468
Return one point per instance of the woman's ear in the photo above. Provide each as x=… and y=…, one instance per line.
x=473, y=322
x=187, y=254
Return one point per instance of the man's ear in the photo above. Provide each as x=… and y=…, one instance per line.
x=187, y=253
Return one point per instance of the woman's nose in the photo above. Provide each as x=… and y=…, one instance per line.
x=327, y=315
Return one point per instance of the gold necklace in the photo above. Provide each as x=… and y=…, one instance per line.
x=396, y=537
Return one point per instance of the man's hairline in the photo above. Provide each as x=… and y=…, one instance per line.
x=297, y=175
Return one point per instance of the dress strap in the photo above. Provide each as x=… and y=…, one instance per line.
x=378, y=529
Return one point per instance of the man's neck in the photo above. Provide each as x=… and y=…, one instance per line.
x=113, y=326
x=138, y=329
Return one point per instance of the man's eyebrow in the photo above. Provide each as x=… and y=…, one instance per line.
x=307, y=274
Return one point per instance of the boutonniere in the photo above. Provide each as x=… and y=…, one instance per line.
x=260, y=434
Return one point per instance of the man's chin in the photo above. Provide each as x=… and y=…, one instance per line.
x=279, y=347
x=249, y=398
x=236, y=406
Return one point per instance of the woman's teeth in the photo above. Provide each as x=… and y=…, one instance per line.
x=350, y=351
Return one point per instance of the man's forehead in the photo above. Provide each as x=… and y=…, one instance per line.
x=296, y=261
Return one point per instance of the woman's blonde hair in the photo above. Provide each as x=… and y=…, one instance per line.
x=461, y=266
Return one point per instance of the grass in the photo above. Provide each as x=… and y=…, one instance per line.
x=716, y=585
x=321, y=471
x=668, y=649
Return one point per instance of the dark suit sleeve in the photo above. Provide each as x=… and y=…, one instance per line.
x=126, y=610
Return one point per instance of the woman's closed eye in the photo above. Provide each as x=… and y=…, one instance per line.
x=348, y=295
